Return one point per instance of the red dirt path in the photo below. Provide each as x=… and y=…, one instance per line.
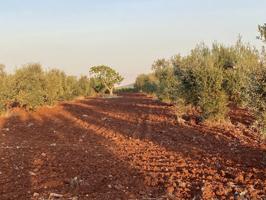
x=125, y=148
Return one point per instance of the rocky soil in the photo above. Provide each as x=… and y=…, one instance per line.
x=131, y=147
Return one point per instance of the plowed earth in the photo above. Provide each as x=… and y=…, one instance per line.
x=129, y=147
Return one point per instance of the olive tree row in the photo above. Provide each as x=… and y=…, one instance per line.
x=212, y=78
x=32, y=86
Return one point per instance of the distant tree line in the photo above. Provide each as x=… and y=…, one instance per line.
x=209, y=79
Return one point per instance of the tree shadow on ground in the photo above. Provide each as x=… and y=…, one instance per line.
x=50, y=153
x=215, y=155
x=14, y=180
x=111, y=113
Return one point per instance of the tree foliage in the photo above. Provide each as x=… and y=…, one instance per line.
x=106, y=77
x=211, y=78
x=146, y=83
x=202, y=88
x=54, y=86
x=258, y=96
x=31, y=86
x=28, y=86
x=167, y=83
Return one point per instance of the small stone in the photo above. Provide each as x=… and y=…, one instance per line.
x=104, y=119
x=231, y=184
x=32, y=173
x=30, y=124
x=242, y=194
x=118, y=187
x=171, y=196
x=182, y=184
x=131, y=196
x=110, y=186
x=38, y=162
x=180, y=121
x=54, y=195
x=85, y=115
x=35, y=194
x=53, y=144
x=222, y=173
x=43, y=154
x=74, y=182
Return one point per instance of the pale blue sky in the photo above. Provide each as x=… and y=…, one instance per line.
x=125, y=34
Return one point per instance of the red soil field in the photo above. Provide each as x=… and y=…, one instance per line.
x=129, y=147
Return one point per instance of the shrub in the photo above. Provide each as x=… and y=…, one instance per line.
x=70, y=87
x=235, y=84
x=146, y=83
x=54, y=90
x=28, y=84
x=126, y=90
x=84, y=86
x=238, y=79
x=139, y=82
x=257, y=96
x=167, y=84
x=202, y=87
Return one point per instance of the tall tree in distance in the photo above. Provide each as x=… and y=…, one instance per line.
x=106, y=76
x=262, y=32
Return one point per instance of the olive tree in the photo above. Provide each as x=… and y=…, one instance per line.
x=146, y=83
x=107, y=76
x=167, y=83
x=84, y=86
x=54, y=90
x=28, y=85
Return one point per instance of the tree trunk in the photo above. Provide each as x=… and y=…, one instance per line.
x=111, y=91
